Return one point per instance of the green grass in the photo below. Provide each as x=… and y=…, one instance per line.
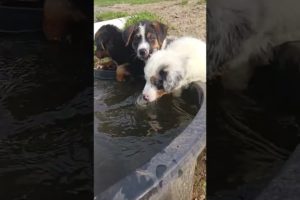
x=112, y=2
x=110, y=15
x=135, y=17
x=143, y=16
x=184, y=2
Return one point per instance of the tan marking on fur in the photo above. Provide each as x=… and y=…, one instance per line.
x=160, y=93
x=154, y=44
x=149, y=35
x=158, y=29
x=122, y=72
x=102, y=54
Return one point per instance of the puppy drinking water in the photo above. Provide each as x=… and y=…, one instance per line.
x=168, y=70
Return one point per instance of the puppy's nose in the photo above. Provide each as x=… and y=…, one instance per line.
x=142, y=52
x=145, y=97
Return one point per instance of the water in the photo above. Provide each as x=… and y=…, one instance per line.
x=127, y=135
x=251, y=134
x=46, y=118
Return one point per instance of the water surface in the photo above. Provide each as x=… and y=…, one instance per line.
x=128, y=135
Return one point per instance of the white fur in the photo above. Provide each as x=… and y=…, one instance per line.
x=185, y=55
x=144, y=44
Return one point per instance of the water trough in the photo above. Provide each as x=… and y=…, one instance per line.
x=168, y=174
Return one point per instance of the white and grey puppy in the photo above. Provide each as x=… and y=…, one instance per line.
x=168, y=70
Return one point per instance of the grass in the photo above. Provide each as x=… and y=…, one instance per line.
x=135, y=17
x=112, y=2
x=184, y=2
x=143, y=16
x=110, y=15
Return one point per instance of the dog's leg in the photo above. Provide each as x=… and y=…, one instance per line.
x=122, y=72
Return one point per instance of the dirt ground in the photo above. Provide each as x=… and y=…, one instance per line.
x=185, y=18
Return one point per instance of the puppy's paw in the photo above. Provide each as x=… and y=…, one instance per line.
x=122, y=72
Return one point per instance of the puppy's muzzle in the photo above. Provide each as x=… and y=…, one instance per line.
x=144, y=54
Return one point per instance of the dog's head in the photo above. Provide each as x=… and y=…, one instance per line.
x=145, y=37
x=164, y=73
x=105, y=39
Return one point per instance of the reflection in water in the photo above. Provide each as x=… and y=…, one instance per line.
x=45, y=120
x=251, y=134
x=127, y=135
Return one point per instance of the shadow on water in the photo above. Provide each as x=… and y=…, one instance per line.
x=127, y=135
x=251, y=134
x=45, y=120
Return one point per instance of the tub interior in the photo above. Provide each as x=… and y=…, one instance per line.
x=127, y=135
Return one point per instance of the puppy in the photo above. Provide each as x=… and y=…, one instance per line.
x=145, y=38
x=62, y=19
x=170, y=69
x=109, y=43
x=243, y=34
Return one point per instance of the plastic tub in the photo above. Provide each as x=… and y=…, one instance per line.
x=104, y=74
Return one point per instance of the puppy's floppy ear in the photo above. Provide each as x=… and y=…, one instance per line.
x=128, y=34
x=170, y=79
x=161, y=31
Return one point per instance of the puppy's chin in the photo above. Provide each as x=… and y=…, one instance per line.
x=144, y=58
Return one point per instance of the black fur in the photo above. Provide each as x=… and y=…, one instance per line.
x=110, y=37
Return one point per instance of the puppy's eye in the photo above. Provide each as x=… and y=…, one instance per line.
x=160, y=84
x=137, y=37
x=152, y=37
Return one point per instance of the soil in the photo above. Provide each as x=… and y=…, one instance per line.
x=184, y=18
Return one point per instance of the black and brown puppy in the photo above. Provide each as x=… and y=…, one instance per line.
x=145, y=37
x=109, y=43
x=66, y=19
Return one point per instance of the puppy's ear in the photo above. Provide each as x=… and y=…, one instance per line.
x=128, y=34
x=170, y=79
x=161, y=31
